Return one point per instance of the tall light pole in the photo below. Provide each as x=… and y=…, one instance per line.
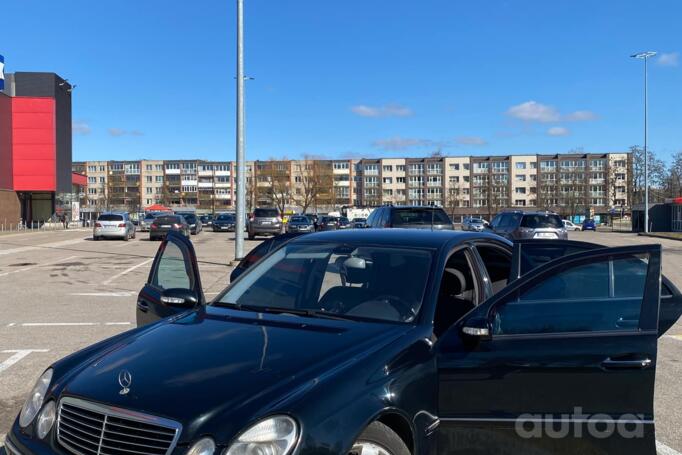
x=241, y=167
x=645, y=56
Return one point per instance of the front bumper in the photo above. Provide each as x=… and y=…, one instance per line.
x=20, y=442
x=300, y=229
x=223, y=227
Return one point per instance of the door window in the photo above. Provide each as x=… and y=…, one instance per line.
x=498, y=265
x=457, y=294
x=174, y=269
x=605, y=295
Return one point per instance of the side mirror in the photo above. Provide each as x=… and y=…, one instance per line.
x=477, y=328
x=184, y=298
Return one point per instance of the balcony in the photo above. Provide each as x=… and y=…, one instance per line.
x=172, y=171
x=205, y=185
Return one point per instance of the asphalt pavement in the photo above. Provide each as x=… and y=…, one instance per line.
x=60, y=291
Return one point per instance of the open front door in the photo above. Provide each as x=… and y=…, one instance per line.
x=562, y=360
x=173, y=285
x=529, y=254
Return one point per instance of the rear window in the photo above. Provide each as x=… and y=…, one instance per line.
x=541, y=221
x=110, y=217
x=190, y=218
x=299, y=219
x=168, y=219
x=475, y=220
x=419, y=216
x=226, y=218
x=266, y=213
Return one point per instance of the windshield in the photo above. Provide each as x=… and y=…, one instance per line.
x=299, y=219
x=110, y=217
x=541, y=221
x=419, y=216
x=226, y=218
x=475, y=221
x=351, y=281
x=168, y=219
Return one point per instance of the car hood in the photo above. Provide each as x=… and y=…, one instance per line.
x=215, y=370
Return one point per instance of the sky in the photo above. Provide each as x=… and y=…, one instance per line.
x=356, y=78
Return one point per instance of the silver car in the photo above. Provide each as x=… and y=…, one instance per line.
x=516, y=225
x=473, y=224
x=114, y=225
x=264, y=221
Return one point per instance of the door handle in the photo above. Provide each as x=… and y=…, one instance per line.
x=640, y=364
x=142, y=306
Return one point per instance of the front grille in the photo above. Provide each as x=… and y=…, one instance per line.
x=87, y=428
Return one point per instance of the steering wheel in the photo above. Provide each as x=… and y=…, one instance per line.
x=407, y=312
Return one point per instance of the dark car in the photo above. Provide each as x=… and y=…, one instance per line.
x=264, y=221
x=358, y=223
x=327, y=223
x=262, y=250
x=195, y=224
x=373, y=341
x=344, y=223
x=516, y=225
x=417, y=217
x=300, y=223
x=589, y=225
x=164, y=224
x=207, y=220
x=224, y=222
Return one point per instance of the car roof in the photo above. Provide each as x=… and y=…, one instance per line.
x=420, y=238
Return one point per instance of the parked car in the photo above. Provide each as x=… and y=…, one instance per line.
x=474, y=224
x=260, y=251
x=327, y=223
x=570, y=226
x=164, y=224
x=300, y=223
x=207, y=220
x=358, y=223
x=387, y=342
x=264, y=221
x=115, y=225
x=589, y=225
x=515, y=225
x=146, y=221
x=195, y=225
x=224, y=222
x=344, y=223
x=417, y=217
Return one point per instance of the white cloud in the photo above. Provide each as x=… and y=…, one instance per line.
x=397, y=143
x=558, y=131
x=471, y=140
x=118, y=132
x=532, y=111
x=669, y=59
x=580, y=116
x=81, y=128
x=389, y=110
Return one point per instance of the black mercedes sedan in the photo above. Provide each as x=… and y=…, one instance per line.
x=389, y=342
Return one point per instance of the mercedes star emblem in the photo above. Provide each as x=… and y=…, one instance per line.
x=125, y=379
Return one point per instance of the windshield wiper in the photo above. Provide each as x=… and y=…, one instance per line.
x=280, y=310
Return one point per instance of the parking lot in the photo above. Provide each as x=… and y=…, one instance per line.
x=61, y=291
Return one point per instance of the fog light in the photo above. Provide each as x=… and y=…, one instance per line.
x=204, y=446
x=46, y=420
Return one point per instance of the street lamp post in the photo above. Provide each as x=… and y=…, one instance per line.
x=241, y=168
x=645, y=56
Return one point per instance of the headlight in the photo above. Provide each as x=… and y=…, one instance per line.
x=204, y=446
x=273, y=436
x=46, y=419
x=35, y=399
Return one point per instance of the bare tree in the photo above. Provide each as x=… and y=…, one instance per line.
x=279, y=188
x=316, y=184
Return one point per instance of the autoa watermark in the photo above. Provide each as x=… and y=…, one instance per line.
x=578, y=425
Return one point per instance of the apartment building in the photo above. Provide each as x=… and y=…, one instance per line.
x=464, y=185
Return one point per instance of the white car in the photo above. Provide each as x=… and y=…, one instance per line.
x=570, y=226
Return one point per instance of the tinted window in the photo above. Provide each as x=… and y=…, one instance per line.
x=383, y=283
x=173, y=269
x=498, y=265
x=534, y=255
x=299, y=219
x=371, y=220
x=600, y=296
x=149, y=216
x=541, y=221
x=110, y=217
x=266, y=213
x=419, y=216
x=168, y=220
x=190, y=218
x=226, y=218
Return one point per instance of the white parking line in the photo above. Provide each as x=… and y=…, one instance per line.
x=126, y=271
x=663, y=449
x=40, y=246
x=103, y=294
x=18, y=355
x=69, y=324
x=26, y=269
